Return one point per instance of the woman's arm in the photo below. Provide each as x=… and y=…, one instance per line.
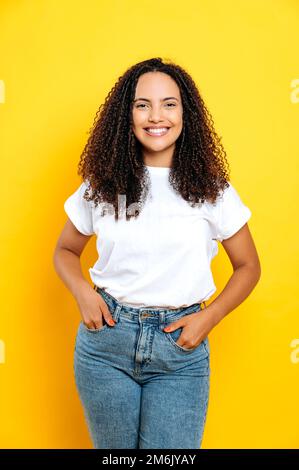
x=66, y=258
x=242, y=253
x=67, y=264
x=247, y=271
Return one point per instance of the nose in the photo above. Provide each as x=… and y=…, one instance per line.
x=155, y=114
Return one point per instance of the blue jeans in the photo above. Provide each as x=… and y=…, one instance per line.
x=138, y=387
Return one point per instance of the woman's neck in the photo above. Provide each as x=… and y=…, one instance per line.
x=159, y=159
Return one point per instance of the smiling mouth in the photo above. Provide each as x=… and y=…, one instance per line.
x=154, y=132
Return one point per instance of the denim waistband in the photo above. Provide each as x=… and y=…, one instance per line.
x=135, y=313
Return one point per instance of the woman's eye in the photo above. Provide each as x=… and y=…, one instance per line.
x=167, y=104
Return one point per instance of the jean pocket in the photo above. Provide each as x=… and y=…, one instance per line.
x=95, y=330
x=173, y=336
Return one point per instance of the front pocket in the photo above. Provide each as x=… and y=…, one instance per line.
x=95, y=330
x=173, y=336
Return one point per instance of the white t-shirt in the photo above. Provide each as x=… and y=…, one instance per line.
x=162, y=258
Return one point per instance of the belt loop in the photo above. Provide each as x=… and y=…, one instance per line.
x=116, y=312
x=161, y=319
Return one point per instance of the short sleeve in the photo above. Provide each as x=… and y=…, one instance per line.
x=229, y=214
x=79, y=210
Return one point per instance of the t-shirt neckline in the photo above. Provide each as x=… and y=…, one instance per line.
x=158, y=169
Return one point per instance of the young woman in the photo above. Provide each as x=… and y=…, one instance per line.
x=155, y=192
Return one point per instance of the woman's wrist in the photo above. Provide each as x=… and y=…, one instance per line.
x=82, y=286
x=213, y=314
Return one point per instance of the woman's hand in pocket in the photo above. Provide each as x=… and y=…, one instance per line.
x=195, y=328
x=93, y=308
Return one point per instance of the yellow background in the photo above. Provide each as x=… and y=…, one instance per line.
x=59, y=59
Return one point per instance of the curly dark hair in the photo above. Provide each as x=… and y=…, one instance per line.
x=112, y=162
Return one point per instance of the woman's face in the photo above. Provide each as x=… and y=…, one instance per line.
x=157, y=105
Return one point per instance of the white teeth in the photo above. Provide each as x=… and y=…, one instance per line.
x=157, y=131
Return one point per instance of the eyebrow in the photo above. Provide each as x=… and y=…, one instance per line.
x=163, y=99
